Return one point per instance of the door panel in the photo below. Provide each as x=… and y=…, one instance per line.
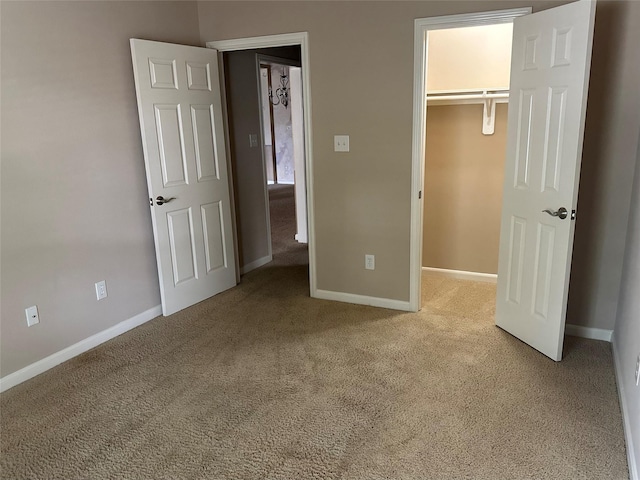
x=516, y=259
x=183, y=258
x=171, y=144
x=549, y=81
x=554, y=133
x=198, y=76
x=542, y=277
x=163, y=73
x=180, y=114
x=214, y=236
x=203, y=137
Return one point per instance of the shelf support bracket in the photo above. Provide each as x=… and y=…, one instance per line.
x=488, y=116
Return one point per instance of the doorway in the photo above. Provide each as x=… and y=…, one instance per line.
x=445, y=90
x=270, y=45
x=283, y=133
x=277, y=137
x=550, y=67
x=467, y=85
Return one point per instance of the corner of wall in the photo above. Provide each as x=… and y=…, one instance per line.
x=632, y=459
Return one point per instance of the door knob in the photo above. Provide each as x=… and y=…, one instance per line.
x=161, y=200
x=561, y=213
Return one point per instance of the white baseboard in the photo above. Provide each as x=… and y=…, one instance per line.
x=362, y=300
x=462, y=274
x=255, y=264
x=588, y=332
x=82, y=346
x=634, y=466
x=301, y=238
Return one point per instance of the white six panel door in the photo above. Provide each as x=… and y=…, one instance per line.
x=179, y=106
x=550, y=65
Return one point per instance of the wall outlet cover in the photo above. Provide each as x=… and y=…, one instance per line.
x=101, y=290
x=370, y=262
x=341, y=143
x=32, y=316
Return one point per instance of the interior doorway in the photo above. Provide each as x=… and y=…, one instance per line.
x=440, y=96
x=277, y=137
x=281, y=102
x=467, y=93
x=241, y=61
x=549, y=80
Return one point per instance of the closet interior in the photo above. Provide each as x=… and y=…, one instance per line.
x=466, y=134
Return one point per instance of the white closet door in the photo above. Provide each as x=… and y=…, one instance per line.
x=549, y=80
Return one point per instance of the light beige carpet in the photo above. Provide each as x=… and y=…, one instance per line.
x=263, y=382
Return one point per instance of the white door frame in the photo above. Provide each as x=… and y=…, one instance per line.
x=283, y=40
x=421, y=28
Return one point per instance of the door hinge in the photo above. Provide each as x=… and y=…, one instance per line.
x=151, y=201
x=420, y=194
x=573, y=214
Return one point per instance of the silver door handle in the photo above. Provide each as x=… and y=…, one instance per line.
x=161, y=200
x=561, y=213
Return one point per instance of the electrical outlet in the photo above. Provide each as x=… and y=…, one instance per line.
x=101, y=290
x=341, y=143
x=32, y=316
x=370, y=262
x=638, y=370
x=253, y=140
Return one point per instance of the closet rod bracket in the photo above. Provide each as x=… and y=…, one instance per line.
x=488, y=116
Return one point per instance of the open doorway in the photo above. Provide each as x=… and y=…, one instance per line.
x=467, y=85
x=267, y=160
x=467, y=91
x=281, y=102
x=283, y=151
x=550, y=66
x=451, y=98
x=277, y=135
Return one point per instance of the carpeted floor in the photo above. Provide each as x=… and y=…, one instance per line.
x=263, y=382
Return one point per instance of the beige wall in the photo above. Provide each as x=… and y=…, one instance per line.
x=627, y=333
x=246, y=161
x=473, y=58
x=464, y=170
x=362, y=199
x=613, y=120
x=74, y=198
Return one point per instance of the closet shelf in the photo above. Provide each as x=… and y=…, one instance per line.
x=467, y=97
x=488, y=98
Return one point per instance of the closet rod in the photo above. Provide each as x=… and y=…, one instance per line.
x=469, y=96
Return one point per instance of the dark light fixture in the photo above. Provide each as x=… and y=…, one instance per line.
x=282, y=92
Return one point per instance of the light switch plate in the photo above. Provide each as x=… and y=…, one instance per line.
x=341, y=143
